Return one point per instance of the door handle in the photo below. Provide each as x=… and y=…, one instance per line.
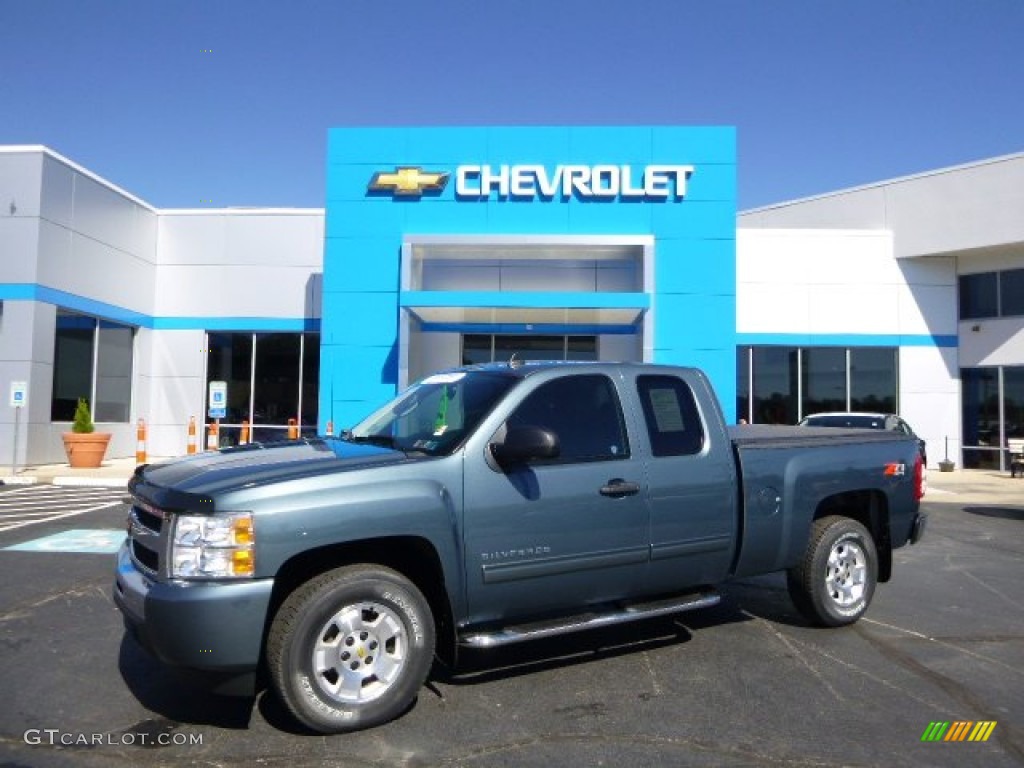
x=617, y=488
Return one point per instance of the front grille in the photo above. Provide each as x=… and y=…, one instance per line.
x=147, y=516
x=144, y=557
x=144, y=531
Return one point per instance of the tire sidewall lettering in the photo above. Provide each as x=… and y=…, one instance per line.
x=403, y=603
x=321, y=706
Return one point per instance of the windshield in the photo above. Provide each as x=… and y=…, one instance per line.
x=434, y=415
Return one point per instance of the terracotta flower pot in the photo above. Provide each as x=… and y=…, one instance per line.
x=85, y=450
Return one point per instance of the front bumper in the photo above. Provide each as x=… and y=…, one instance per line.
x=208, y=626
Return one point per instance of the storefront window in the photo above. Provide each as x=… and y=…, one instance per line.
x=874, y=379
x=1011, y=292
x=981, y=425
x=775, y=385
x=271, y=378
x=72, y=364
x=114, y=372
x=310, y=381
x=830, y=379
x=743, y=384
x=92, y=359
x=276, y=395
x=979, y=296
x=229, y=359
x=824, y=380
x=487, y=348
x=1013, y=401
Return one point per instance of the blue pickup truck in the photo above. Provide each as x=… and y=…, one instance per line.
x=490, y=505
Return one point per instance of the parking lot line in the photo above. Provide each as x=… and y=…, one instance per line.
x=23, y=523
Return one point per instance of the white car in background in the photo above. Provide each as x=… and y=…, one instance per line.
x=864, y=420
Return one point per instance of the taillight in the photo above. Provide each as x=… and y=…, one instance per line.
x=920, y=478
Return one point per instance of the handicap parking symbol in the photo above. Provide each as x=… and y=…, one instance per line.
x=90, y=541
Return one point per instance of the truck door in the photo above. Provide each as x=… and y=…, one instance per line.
x=691, y=484
x=557, y=534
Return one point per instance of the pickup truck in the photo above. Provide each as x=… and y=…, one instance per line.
x=490, y=505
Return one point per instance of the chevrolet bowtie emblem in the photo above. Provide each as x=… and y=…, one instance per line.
x=408, y=182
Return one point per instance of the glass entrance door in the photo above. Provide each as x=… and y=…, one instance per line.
x=487, y=348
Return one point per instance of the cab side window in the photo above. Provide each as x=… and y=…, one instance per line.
x=583, y=411
x=673, y=422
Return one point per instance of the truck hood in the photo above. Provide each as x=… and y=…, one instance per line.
x=259, y=463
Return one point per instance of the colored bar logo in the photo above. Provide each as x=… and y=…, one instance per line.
x=960, y=730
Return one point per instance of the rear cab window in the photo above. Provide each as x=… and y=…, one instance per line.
x=674, y=426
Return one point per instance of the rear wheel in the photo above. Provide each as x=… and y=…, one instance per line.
x=834, y=583
x=351, y=648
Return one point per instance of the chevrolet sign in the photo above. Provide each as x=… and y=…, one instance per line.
x=656, y=182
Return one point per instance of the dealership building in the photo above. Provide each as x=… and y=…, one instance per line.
x=443, y=246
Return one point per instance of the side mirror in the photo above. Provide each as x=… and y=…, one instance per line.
x=521, y=444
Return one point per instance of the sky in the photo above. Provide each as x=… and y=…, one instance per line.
x=211, y=103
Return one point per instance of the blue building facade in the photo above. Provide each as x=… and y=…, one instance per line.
x=621, y=241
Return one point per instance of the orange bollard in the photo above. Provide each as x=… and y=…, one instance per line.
x=140, y=442
x=213, y=437
x=243, y=438
x=293, y=429
x=330, y=428
x=191, y=435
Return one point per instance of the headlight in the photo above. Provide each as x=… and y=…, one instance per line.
x=213, y=546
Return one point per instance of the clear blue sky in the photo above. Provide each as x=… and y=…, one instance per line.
x=825, y=94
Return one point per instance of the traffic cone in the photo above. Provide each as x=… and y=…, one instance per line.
x=213, y=437
x=330, y=428
x=140, y=442
x=191, y=435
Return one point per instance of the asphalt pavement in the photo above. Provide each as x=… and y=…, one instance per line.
x=746, y=683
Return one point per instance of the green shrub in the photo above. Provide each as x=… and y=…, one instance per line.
x=83, y=419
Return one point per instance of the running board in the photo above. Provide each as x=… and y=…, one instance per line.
x=582, y=622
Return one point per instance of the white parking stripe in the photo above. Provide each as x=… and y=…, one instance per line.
x=32, y=505
x=45, y=491
x=22, y=524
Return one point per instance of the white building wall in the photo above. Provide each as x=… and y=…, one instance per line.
x=72, y=239
x=240, y=263
x=849, y=283
x=95, y=242
x=239, y=267
x=174, y=380
x=992, y=341
x=942, y=211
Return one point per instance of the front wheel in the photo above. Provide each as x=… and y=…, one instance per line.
x=351, y=648
x=834, y=583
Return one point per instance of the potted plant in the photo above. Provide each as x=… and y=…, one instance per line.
x=84, y=446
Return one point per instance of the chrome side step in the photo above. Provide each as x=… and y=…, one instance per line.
x=582, y=622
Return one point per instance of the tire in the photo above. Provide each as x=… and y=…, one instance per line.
x=834, y=583
x=351, y=648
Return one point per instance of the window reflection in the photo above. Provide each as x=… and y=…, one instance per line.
x=271, y=378
x=79, y=342
x=775, y=385
x=985, y=393
x=829, y=378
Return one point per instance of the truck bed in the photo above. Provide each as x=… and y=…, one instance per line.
x=776, y=436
